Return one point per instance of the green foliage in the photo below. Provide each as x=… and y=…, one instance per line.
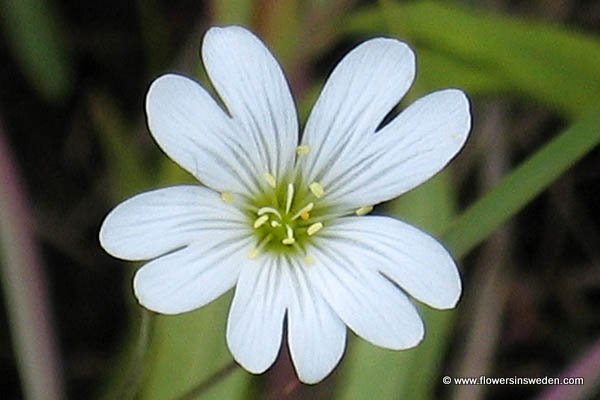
x=34, y=31
x=185, y=350
x=485, y=53
x=127, y=171
x=522, y=185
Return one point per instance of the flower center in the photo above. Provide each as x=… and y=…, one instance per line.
x=286, y=217
x=288, y=213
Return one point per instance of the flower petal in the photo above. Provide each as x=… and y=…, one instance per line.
x=316, y=335
x=413, y=147
x=153, y=223
x=361, y=90
x=253, y=87
x=365, y=300
x=417, y=262
x=195, y=132
x=192, y=277
x=255, y=324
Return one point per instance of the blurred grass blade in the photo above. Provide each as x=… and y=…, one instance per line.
x=186, y=350
x=553, y=65
x=155, y=35
x=522, y=185
x=437, y=70
x=35, y=34
x=24, y=288
x=126, y=170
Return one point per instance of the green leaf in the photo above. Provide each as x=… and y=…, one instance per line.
x=550, y=64
x=186, y=349
x=522, y=185
x=34, y=31
x=437, y=70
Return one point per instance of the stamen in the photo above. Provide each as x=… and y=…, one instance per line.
x=275, y=224
x=270, y=179
x=268, y=210
x=364, y=210
x=227, y=197
x=316, y=189
x=305, y=215
x=260, y=221
x=309, y=260
x=304, y=211
x=290, y=197
x=302, y=150
x=314, y=228
x=290, y=236
x=255, y=251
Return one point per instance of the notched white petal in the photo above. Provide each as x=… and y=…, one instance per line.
x=192, y=277
x=417, y=262
x=153, y=223
x=255, y=323
x=196, y=133
x=316, y=335
x=366, y=301
x=253, y=87
x=362, y=89
x=412, y=148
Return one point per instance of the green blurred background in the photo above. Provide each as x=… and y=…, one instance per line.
x=518, y=207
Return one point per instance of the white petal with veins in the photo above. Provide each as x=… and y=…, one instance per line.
x=154, y=223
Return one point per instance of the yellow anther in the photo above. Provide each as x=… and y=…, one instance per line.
x=304, y=210
x=316, y=189
x=227, y=197
x=275, y=224
x=253, y=254
x=364, y=210
x=305, y=215
x=309, y=260
x=302, y=150
x=260, y=221
x=288, y=241
x=314, y=228
x=270, y=179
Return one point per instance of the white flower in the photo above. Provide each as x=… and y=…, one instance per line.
x=283, y=220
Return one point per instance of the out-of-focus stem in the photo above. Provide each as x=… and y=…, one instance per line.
x=209, y=382
x=24, y=286
x=586, y=367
